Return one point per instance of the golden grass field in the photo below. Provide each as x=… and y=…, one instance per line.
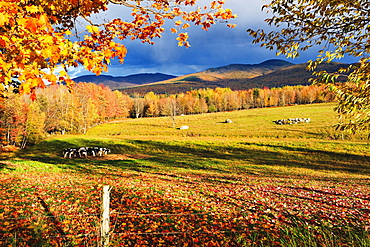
x=246, y=183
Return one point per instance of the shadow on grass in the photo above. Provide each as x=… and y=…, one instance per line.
x=197, y=156
x=318, y=159
x=51, y=152
x=302, y=132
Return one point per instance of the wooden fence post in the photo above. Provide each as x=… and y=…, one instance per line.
x=104, y=231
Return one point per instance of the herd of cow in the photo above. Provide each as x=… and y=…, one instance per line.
x=84, y=152
x=292, y=121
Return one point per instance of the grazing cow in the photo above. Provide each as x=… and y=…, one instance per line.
x=91, y=151
x=82, y=152
x=106, y=151
x=73, y=153
x=96, y=151
x=70, y=152
x=65, y=152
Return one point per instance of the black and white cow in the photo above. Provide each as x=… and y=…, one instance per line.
x=82, y=152
x=70, y=153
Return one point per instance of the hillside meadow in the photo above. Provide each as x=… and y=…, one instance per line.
x=246, y=183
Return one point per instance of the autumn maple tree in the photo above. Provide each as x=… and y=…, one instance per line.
x=41, y=39
x=340, y=28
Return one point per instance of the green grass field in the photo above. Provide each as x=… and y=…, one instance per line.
x=246, y=183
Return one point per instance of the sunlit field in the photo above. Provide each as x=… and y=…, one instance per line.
x=246, y=183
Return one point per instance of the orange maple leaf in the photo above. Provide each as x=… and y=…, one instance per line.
x=31, y=24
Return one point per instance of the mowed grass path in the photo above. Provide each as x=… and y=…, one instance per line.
x=249, y=182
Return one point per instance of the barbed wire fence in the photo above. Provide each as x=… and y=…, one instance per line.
x=106, y=228
x=103, y=231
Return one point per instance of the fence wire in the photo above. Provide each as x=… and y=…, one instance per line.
x=113, y=213
x=124, y=233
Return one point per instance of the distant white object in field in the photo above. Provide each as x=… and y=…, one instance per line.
x=182, y=115
x=184, y=127
x=228, y=121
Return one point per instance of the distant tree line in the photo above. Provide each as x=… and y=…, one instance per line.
x=225, y=99
x=57, y=111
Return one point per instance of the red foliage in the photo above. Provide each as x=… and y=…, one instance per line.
x=188, y=210
x=174, y=209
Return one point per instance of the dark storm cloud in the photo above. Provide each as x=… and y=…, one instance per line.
x=217, y=47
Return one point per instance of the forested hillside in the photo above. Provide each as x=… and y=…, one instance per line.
x=272, y=73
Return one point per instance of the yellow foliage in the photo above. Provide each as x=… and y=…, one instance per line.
x=35, y=37
x=92, y=29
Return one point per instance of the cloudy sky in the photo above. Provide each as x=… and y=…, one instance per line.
x=209, y=49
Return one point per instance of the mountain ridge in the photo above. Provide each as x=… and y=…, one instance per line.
x=115, y=82
x=270, y=73
x=271, y=63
